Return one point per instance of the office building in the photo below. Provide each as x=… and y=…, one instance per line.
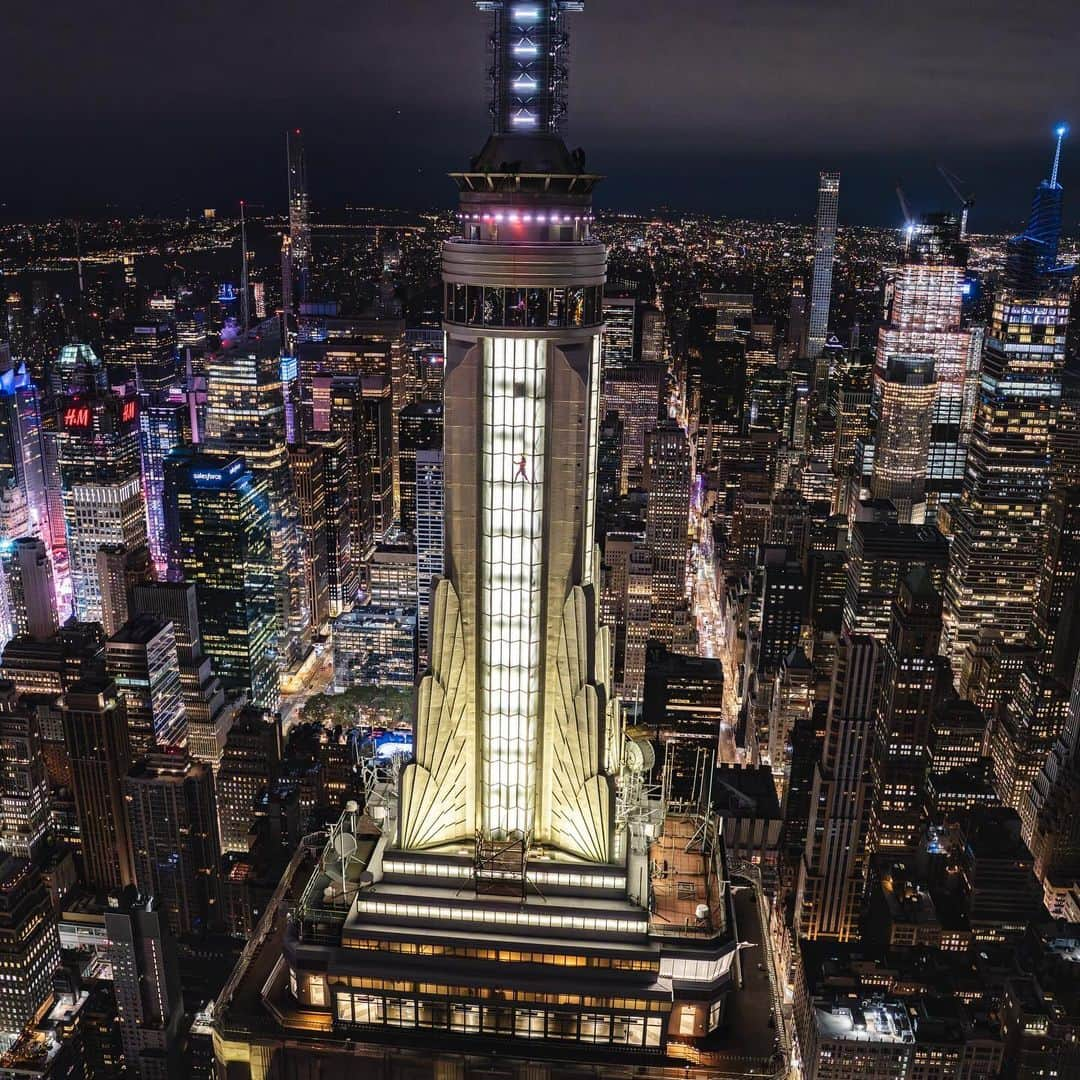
x=419, y=429
x=224, y=527
x=245, y=416
x=880, y=556
x=915, y=679
x=783, y=608
x=626, y=609
x=207, y=713
x=514, y=744
x=308, y=466
x=339, y=496
x=824, y=254
x=633, y=392
x=146, y=979
x=296, y=254
x=391, y=575
x=375, y=646
x=141, y=659
x=379, y=428
x=832, y=875
x=924, y=323
x=24, y=783
x=683, y=708
x=902, y=442
x=667, y=525
x=430, y=564
x=173, y=827
x=30, y=588
x=101, y=489
x=249, y=764
x=998, y=526
x=29, y=945
x=99, y=749
x=22, y=449
x=617, y=341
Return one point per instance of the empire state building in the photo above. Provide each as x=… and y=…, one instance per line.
x=514, y=901
x=514, y=737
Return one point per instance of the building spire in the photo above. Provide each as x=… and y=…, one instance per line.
x=1061, y=131
x=529, y=48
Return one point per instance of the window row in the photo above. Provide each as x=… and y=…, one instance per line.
x=500, y=1020
x=521, y=308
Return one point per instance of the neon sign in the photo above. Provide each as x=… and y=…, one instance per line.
x=77, y=416
x=128, y=411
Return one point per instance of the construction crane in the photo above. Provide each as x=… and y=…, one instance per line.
x=967, y=200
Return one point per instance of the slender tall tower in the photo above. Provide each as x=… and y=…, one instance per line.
x=828, y=203
x=513, y=729
x=296, y=252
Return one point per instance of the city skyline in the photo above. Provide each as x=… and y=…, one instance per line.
x=530, y=642
x=749, y=118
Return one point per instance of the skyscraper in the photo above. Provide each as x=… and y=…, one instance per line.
x=824, y=253
x=503, y=862
x=926, y=296
x=626, y=609
x=249, y=763
x=146, y=977
x=296, y=254
x=245, y=415
x=96, y=736
x=141, y=659
x=832, y=876
x=998, y=526
x=30, y=588
x=617, y=343
x=29, y=946
x=223, y=520
x=903, y=437
x=22, y=451
x=914, y=681
x=419, y=429
x=430, y=544
x=172, y=822
x=308, y=467
x=24, y=785
x=101, y=488
x=633, y=391
x=667, y=525
x=206, y=711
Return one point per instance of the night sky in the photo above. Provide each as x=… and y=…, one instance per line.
x=724, y=107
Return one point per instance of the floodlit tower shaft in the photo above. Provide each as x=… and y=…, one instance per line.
x=512, y=724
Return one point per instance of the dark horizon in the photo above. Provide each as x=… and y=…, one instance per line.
x=730, y=116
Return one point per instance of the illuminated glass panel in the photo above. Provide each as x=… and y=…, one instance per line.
x=592, y=427
x=515, y=386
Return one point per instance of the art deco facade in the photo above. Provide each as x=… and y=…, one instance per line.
x=445, y=921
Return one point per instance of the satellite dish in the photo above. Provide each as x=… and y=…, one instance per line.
x=352, y=807
x=640, y=755
x=344, y=844
x=701, y=912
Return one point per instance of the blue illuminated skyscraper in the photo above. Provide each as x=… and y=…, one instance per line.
x=1035, y=251
x=220, y=511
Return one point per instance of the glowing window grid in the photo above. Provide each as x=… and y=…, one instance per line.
x=515, y=388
